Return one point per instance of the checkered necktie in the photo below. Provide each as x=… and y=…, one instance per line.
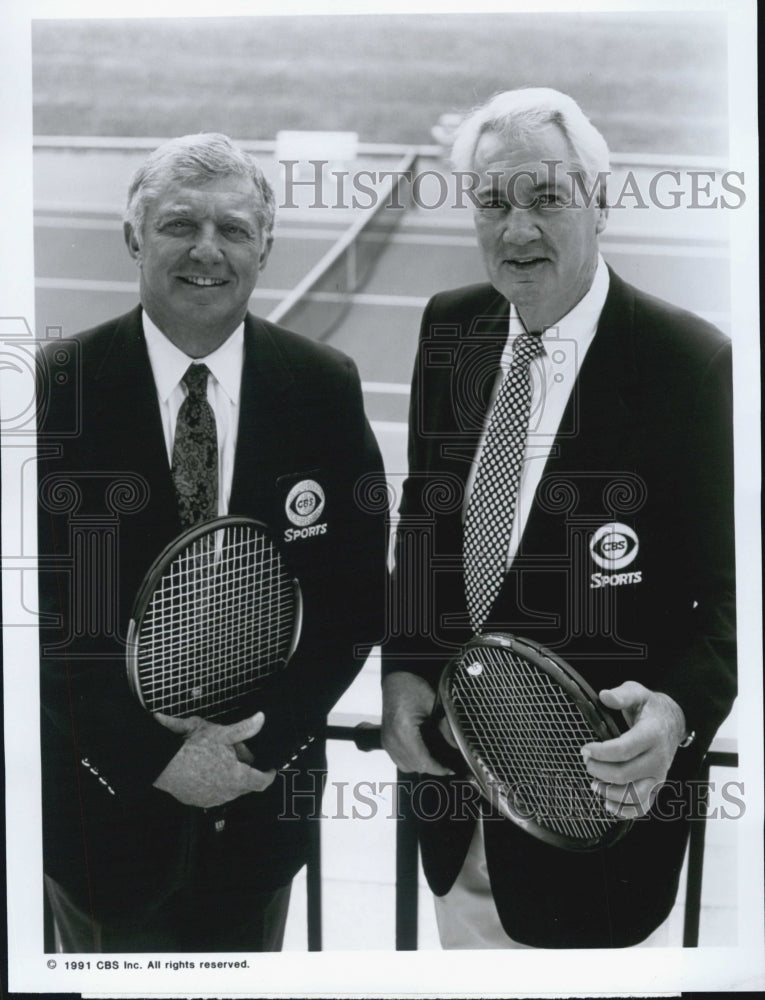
x=490, y=512
x=195, y=452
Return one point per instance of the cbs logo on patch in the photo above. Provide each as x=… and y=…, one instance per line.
x=614, y=546
x=305, y=502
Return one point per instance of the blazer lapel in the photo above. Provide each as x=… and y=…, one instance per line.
x=128, y=397
x=595, y=445
x=459, y=374
x=264, y=435
x=467, y=389
x=601, y=406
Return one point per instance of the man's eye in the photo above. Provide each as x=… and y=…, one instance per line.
x=549, y=201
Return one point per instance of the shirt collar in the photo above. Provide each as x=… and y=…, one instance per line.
x=581, y=322
x=169, y=363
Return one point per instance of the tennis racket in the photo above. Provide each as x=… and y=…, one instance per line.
x=519, y=716
x=216, y=614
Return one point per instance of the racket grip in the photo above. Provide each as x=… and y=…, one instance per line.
x=439, y=748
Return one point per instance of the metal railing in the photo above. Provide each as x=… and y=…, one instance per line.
x=366, y=736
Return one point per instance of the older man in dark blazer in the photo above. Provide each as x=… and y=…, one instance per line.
x=135, y=856
x=616, y=546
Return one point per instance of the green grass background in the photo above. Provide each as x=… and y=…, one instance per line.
x=653, y=83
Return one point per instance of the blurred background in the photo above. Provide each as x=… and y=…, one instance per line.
x=650, y=82
x=376, y=92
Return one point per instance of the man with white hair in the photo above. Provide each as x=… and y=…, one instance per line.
x=187, y=408
x=628, y=431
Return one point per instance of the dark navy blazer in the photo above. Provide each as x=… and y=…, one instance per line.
x=645, y=443
x=107, y=509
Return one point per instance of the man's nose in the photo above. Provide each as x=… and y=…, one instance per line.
x=207, y=246
x=519, y=227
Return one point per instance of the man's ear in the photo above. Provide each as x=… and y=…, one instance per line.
x=131, y=241
x=264, y=253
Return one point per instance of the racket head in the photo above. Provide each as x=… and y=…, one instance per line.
x=520, y=715
x=217, y=613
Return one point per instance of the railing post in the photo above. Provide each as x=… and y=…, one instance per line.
x=696, y=864
x=406, y=867
x=313, y=885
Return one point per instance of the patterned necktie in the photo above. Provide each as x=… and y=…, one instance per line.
x=195, y=452
x=491, y=508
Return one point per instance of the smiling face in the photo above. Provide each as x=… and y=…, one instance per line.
x=537, y=234
x=200, y=254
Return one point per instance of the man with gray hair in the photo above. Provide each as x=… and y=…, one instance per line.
x=626, y=435
x=178, y=834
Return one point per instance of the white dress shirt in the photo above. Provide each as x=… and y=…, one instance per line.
x=552, y=379
x=169, y=364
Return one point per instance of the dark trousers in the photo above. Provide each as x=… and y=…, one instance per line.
x=196, y=918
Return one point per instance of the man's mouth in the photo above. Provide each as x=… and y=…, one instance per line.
x=202, y=282
x=525, y=263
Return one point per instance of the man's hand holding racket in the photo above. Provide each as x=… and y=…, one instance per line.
x=208, y=770
x=630, y=769
x=217, y=614
x=408, y=702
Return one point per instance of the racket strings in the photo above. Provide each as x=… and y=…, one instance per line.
x=220, y=619
x=526, y=734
